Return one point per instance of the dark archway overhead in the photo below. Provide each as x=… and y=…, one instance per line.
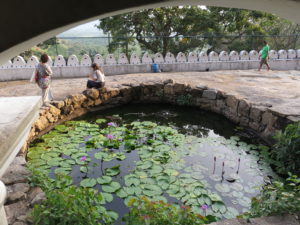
x=27, y=23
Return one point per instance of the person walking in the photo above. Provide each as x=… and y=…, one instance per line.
x=264, y=56
x=43, y=74
x=97, y=79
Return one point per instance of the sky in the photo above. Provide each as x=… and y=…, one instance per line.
x=89, y=30
x=84, y=30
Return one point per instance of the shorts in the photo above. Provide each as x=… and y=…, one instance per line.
x=263, y=61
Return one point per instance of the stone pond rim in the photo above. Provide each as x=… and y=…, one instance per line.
x=25, y=24
x=259, y=118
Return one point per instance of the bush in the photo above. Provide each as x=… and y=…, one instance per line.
x=147, y=212
x=71, y=206
x=67, y=204
x=286, y=151
x=277, y=198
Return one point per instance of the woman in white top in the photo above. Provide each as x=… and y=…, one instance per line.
x=97, y=79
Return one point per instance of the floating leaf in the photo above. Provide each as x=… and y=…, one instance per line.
x=244, y=201
x=111, y=188
x=219, y=207
x=231, y=213
x=115, y=170
x=83, y=169
x=104, y=180
x=121, y=193
x=113, y=215
x=132, y=181
x=99, y=121
x=108, y=197
x=215, y=197
x=222, y=187
x=88, y=182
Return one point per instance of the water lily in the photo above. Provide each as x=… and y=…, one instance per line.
x=111, y=124
x=83, y=158
x=110, y=136
x=204, y=207
x=120, y=139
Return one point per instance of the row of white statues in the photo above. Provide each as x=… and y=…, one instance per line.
x=192, y=57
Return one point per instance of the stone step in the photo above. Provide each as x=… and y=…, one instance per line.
x=271, y=220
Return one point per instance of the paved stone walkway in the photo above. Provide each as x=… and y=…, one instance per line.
x=279, y=89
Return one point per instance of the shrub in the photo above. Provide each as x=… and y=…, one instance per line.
x=67, y=204
x=148, y=212
x=286, y=151
x=277, y=198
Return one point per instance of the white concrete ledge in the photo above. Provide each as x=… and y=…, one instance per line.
x=17, y=115
x=81, y=71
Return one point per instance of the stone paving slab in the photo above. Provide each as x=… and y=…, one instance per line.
x=280, y=89
x=271, y=220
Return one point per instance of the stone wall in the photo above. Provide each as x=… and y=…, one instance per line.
x=260, y=118
x=19, y=69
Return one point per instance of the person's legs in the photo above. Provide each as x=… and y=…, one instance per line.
x=93, y=84
x=50, y=95
x=45, y=94
x=89, y=84
x=266, y=62
x=260, y=64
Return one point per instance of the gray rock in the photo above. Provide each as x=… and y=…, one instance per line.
x=13, y=211
x=169, y=81
x=20, y=223
x=275, y=220
x=38, y=199
x=19, y=160
x=210, y=94
x=24, y=187
x=243, y=108
x=33, y=193
x=203, y=87
x=15, y=174
x=14, y=196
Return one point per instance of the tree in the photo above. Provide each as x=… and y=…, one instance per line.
x=159, y=30
x=188, y=28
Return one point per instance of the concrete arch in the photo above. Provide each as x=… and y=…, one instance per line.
x=27, y=23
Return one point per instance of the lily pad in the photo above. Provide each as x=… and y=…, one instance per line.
x=111, y=188
x=222, y=187
x=219, y=207
x=121, y=193
x=104, y=180
x=108, y=197
x=113, y=215
x=100, y=121
x=112, y=171
x=88, y=182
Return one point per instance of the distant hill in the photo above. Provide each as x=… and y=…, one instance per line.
x=84, y=30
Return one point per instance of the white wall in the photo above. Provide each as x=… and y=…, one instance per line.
x=19, y=69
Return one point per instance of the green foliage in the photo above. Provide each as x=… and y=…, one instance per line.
x=184, y=99
x=277, y=198
x=148, y=212
x=67, y=204
x=287, y=150
x=195, y=28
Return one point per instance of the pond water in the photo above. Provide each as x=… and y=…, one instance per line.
x=180, y=155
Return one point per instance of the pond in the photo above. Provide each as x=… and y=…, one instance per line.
x=175, y=154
